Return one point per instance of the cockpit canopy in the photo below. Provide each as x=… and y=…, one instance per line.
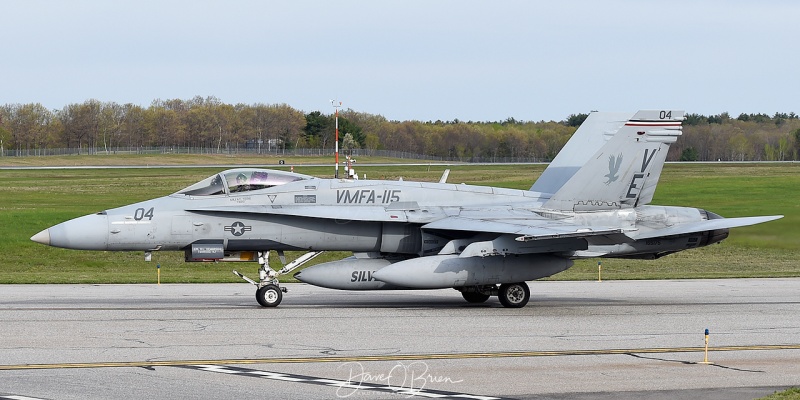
x=241, y=180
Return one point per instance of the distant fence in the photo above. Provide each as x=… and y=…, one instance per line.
x=254, y=151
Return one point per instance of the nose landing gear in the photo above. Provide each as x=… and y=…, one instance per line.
x=270, y=292
x=269, y=295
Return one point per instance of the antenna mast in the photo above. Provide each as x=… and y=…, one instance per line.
x=336, y=106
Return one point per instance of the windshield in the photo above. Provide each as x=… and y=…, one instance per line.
x=241, y=180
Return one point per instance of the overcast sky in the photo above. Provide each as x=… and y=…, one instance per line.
x=409, y=60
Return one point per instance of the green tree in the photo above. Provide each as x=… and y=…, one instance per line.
x=3, y=135
x=318, y=130
x=689, y=154
x=348, y=143
x=796, y=136
x=783, y=148
x=695, y=119
x=348, y=126
x=575, y=119
x=740, y=147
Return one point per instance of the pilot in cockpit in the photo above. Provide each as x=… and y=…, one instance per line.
x=241, y=183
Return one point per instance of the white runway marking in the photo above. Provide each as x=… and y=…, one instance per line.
x=407, y=387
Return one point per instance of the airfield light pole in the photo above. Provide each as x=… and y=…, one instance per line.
x=336, y=106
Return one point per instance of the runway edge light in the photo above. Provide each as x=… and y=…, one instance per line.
x=599, y=270
x=705, y=357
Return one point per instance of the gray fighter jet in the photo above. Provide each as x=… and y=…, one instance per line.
x=591, y=201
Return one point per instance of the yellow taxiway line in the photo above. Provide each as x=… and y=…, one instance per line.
x=395, y=357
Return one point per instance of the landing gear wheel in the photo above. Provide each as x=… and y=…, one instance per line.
x=514, y=295
x=475, y=297
x=269, y=295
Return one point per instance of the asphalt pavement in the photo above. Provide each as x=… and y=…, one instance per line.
x=574, y=340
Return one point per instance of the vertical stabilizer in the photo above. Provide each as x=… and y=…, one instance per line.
x=593, y=133
x=624, y=172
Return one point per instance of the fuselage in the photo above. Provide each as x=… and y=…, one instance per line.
x=306, y=213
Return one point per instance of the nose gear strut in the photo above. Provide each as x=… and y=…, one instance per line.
x=270, y=292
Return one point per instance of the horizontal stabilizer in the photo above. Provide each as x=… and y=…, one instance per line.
x=702, y=226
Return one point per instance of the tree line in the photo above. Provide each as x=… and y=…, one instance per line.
x=209, y=125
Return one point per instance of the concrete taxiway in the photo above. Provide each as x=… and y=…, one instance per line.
x=610, y=339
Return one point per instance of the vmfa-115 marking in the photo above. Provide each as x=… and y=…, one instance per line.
x=591, y=201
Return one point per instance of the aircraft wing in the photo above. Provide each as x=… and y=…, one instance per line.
x=702, y=226
x=524, y=229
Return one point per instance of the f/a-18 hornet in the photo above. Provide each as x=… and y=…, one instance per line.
x=591, y=201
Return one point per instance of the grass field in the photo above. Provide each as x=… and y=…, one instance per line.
x=32, y=200
x=788, y=394
x=172, y=159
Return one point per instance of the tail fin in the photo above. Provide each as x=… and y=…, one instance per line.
x=625, y=171
x=593, y=133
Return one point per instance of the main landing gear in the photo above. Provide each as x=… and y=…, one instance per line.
x=270, y=292
x=511, y=295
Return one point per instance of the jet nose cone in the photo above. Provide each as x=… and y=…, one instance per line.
x=42, y=237
x=89, y=232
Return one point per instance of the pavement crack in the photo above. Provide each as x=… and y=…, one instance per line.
x=693, y=363
x=661, y=359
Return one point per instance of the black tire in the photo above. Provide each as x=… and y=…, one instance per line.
x=514, y=295
x=475, y=297
x=269, y=295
